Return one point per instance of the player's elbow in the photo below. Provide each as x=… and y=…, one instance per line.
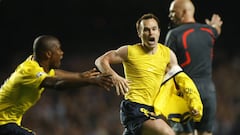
x=97, y=62
x=59, y=85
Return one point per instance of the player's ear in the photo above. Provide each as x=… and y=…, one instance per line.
x=48, y=54
x=184, y=12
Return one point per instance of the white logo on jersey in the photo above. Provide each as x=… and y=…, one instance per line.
x=39, y=74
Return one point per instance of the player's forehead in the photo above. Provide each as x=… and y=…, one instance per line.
x=54, y=43
x=151, y=22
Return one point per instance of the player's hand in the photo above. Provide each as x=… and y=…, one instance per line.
x=100, y=79
x=92, y=73
x=215, y=22
x=196, y=114
x=121, y=84
x=104, y=80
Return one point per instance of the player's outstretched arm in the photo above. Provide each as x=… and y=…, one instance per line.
x=66, y=79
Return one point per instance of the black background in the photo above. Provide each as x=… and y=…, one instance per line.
x=94, y=26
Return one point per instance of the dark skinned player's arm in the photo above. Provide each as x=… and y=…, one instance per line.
x=66, y=79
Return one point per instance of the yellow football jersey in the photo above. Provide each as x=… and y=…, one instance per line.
x=21, y=91
x=176, y=97
x=144, y=71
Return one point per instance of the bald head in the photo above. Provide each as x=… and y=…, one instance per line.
x=185, y=4
x=182, y=10
x=43, y=44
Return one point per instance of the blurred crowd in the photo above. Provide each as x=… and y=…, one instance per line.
x=94, y=111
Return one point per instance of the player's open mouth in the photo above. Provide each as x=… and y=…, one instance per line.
x=151, y=40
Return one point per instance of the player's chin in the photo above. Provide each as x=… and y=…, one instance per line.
x=57, y=65
x=152, y=44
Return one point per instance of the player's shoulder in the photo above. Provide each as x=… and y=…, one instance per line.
x=164, y=47
x=28, y=66
x=135, y=45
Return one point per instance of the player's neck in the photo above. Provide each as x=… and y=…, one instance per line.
x=189, y=20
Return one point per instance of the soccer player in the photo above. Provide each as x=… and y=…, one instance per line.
x=145, y=65
x=193, y=44
x=39, y=71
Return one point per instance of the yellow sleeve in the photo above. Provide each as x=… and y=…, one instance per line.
x=178, y=95
x=190, y=93
x=171, y=104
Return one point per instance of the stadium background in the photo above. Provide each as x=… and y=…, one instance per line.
x=86, y=30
